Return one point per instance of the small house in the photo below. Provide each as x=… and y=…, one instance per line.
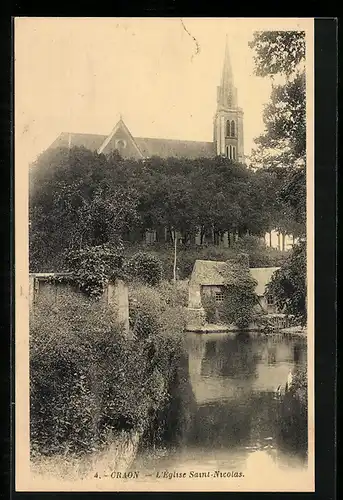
x=207, y=279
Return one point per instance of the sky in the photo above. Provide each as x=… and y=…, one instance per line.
x=159, y=74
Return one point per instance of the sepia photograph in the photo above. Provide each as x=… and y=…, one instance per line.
x=164, y=173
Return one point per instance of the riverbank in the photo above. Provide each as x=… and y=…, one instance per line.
x=220, y=328
x=119, y=454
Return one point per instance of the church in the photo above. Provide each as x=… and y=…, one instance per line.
x=227, y=132
x=227, y=141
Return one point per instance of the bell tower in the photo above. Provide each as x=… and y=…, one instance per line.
x=228, y=120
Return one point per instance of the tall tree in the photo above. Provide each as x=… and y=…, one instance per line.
x=281, y=57
x=282, y=151
x=74, y=203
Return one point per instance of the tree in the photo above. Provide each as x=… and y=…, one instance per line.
x=288, y=285
x=74, y=203
x=281, y=56
x=145, y=267
x=278, y=52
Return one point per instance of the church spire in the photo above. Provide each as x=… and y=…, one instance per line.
x=228, y=120
x=227, y=92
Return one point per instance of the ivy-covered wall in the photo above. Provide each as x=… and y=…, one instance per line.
x=53, y=291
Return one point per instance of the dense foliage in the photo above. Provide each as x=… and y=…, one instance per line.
x=145, y=267
x=209, y=303
x=91, y=268
x=158, y=309
x=81, y=199
x=89, y=380
x=281, y=152
x=281, y=149
x=299, y=385
x=259, y=255
x=239, y=295
x=74, y=203
x=289, y=285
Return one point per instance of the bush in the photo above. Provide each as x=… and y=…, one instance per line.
x=87, y=379
x=289, y=285
x=158, y=318
x=91, y=268
x=299, y=385
x=158, y=310
x=239, y=296
x=145, y=267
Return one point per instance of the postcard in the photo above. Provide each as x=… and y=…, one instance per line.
x=164, y=187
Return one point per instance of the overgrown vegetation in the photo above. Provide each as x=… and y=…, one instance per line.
x=294, y=413
x=281, y=152
x=259, y=255
x=209, y=304
x=289, y=285
x=145, y=267
x=239, y=295
x=89, y=380
x=91, y=268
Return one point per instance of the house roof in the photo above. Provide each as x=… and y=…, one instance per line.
x=208, y=272
x=148, y=147
x=211, y=272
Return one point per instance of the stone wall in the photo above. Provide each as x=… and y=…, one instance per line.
x=43, y=288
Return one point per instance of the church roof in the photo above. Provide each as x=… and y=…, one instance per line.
x=172, y=147
x=89, y=141
x=147, y=146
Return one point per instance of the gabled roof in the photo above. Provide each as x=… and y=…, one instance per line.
x=119, y=126
x=144, y=146
x=208, y=272
x=89, y=141
x=211, y=273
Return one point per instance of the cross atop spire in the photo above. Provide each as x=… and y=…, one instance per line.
x=227, y=92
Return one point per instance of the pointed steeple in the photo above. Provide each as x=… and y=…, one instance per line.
x=228, y=120
x=227, y=75
x=227, y=92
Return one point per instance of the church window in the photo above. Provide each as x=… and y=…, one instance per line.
x=120, y=144
x=228, y=151
x=228, y=128
x=233, y=152
x=233, y=129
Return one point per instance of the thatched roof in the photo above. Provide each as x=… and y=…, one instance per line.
x=208, y=272
x=211, y=272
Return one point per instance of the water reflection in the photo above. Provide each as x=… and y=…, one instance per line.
x=235, y=410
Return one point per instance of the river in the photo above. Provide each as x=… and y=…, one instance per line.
x=232, y=419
